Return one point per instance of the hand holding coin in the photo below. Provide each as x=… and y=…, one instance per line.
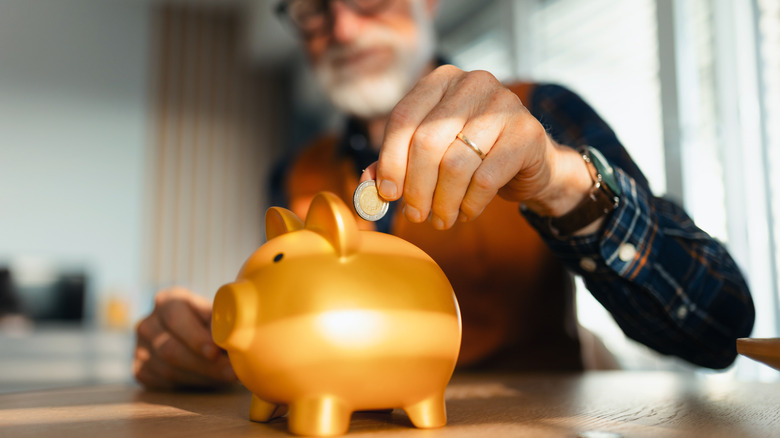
x=368, y=204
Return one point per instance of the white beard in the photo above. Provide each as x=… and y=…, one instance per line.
x=369, y=95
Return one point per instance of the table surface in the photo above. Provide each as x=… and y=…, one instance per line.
x=590, y=405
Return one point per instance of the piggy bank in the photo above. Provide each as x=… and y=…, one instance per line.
x=328, y=319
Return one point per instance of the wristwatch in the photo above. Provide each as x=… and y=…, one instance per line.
x=604, y=196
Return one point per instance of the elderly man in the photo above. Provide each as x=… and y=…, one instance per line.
x=507, y=187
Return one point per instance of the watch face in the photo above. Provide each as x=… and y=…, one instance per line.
x=605, y=170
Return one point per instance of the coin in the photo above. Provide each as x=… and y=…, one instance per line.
x=368, y=204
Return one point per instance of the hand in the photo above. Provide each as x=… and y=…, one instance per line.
x=442, y=178
x=174, y=346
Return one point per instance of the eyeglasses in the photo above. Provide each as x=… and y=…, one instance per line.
x=311, y=17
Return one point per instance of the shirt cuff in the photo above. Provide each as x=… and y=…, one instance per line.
x=623, y=245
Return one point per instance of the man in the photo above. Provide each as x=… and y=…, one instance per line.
x=494, y=183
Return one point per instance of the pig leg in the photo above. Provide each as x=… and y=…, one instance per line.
x=319, y=416
x=260, y=410
x=429, y=412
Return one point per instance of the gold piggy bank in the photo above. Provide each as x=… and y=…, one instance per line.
x=328, y=319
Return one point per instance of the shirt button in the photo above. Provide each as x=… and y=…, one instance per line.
x=626, y=252
x=588, y=264
x=682, y=312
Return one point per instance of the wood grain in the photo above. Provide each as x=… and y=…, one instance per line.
x=628, y=404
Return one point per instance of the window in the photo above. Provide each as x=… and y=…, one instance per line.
x=769, y=59
x=692, y=89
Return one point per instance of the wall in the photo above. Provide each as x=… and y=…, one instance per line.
x=73, y=92
x=216, y=129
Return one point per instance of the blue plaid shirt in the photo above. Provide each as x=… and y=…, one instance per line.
x=667, y=283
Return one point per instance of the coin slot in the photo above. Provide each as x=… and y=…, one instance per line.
x=278, y=257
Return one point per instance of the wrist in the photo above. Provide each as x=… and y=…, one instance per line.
x=570, y=182
x=588, y=215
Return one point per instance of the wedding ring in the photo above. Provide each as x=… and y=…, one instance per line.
x=471, y=145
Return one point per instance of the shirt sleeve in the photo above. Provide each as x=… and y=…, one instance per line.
x=667, y=283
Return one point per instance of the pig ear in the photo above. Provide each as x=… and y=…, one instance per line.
x=331, y=218
x=279, y=221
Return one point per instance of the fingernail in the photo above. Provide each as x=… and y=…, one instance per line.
x=387, y=189
x=209, y=351
x=412, y=214
x=437, y=223
x=462, y=217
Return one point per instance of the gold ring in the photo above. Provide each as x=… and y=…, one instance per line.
x=471, y=145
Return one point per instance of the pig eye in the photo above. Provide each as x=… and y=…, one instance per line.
x=278, y=257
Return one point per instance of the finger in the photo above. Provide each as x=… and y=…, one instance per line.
x=200, y=305
x=184, y=321
x=459, y=164
x=167, y=349
x=142, y=372
x=505, y=131
x=456, y=170
x=401, y=126
x=147, y=378
x=147, y=329
x=155, y=372
x=512, y=154
x=471, y=94
x=369, y=173
x=429, y=145
x=172, y=351
x=202, y=308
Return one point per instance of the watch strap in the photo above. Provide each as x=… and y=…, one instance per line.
x=600, y=201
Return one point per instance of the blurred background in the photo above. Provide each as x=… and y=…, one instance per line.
x=137, y=138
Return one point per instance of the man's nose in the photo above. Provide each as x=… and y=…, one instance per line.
x=346, y=22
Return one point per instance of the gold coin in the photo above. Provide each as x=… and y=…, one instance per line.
x=368, y=204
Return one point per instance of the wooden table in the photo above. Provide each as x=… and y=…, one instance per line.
x=592, y=405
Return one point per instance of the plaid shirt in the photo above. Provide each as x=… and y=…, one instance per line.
x=668, y=284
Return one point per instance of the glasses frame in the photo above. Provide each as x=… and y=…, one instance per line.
x=282, y=11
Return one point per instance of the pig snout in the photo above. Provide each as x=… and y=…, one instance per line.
x=234, y=315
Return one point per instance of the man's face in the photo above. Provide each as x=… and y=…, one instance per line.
x=366, y=63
